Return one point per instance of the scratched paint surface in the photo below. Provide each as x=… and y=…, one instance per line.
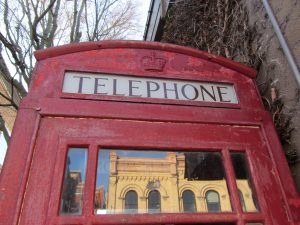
x=50, y=122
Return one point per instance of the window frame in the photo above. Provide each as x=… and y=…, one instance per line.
x=194, y=201
x=93, y=150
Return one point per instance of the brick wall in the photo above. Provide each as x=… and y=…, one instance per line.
x=8, y=113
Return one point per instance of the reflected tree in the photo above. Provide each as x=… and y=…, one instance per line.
x=69, y=189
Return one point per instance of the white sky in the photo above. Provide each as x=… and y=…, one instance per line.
x=3, y=147
x=142, y=7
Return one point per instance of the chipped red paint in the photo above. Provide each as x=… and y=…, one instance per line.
x=49, y=121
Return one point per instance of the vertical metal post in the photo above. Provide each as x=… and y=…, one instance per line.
x=282, y=41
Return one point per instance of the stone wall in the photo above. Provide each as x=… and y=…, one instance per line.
x=8, y=113
x=274, y=72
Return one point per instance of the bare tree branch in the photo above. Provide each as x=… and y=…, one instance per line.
x=33, y=24
x=37, y=20
x=77, y=33
x=53, y=24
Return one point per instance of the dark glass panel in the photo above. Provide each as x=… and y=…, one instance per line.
x=131, y=202
x=244, y=182
x=154, y=202
x=204, y=166
x=188, y=199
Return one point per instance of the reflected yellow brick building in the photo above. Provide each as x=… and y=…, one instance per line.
x=166, y=177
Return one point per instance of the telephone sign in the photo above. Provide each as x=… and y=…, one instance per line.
x=128, y=86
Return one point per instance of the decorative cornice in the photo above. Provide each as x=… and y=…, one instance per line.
x=142, y=178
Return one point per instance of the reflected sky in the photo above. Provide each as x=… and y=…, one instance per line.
x=78, y=160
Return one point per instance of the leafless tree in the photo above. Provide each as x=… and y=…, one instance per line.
x=30, y=25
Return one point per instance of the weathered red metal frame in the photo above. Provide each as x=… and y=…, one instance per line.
x=44, y=120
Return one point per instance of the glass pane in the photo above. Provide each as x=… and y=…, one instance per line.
x=254, y=224
x=244, y=183
x=154, y=202
x=163, y=181
x=188, y=199
x=213, y=201
x=74, y=181
x=131, y=202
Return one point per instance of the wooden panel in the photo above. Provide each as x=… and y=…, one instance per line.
x=15, y=171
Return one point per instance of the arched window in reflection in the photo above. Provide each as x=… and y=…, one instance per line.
x=131, y=202
x=188, y=199
x=154, y=202
x=242, y=201
x=212, y=201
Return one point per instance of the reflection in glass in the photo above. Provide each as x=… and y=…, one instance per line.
x=212, y=201
x=154, y=202
x=204, y=166
x=188, y=199
x=74, y=180
x=242, y=201
x=244, y=183
x=131, y=202
x=163, y=181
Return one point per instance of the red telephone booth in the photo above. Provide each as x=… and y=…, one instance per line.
x=123, y=132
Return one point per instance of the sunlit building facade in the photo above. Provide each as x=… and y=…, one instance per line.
x=147, y=185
